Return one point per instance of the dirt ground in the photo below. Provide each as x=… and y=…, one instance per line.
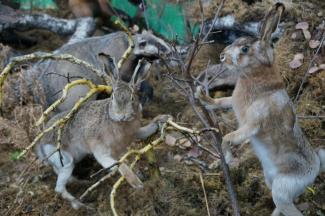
x=27, y=188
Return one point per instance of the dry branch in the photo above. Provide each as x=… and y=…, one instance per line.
x=206, y=117
x=79, y=28
x=205, y=193
x=66, y=89
x=44, y=56
x=127, y=52
x=229, y=23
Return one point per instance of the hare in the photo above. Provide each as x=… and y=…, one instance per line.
x=54, y=75
x=104, y=128
x=267, y=118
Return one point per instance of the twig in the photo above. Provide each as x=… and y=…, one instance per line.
x=304, y=79
x=91, y=188
x=144, y=14
x=214, y=20
x=204, y=192
x=103, y=169
x=311, y=117
x=209, y=151
x=126, y=54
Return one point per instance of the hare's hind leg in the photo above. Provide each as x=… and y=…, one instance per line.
x=284, y=190
x=63, y=166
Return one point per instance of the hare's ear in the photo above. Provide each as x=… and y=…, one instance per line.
x=109, y=65
x=270, y=22
x=141, y=72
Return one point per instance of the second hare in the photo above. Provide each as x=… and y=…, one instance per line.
x=267, y=118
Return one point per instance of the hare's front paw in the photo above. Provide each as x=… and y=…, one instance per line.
x=205, y=100
x=161, y=119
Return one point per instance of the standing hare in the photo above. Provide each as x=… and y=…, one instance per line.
x=267, y=118
x=104, y=128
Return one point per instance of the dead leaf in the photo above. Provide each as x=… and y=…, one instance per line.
x=194, y=152
x=313, y=69
x=302, y=25
x=314, y=43
x=299, y=56
x=316, y=68
x=178, y=158
x=296, y=62
x=184, y=143
x=130, y=176
x=170, y=140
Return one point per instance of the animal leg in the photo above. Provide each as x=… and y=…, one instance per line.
x=210, y=103
x=104, y=158
x=64, y=175
x=284, y=190
x=146, y=131
x=237, y=137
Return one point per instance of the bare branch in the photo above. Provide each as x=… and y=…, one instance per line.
x=78, y=28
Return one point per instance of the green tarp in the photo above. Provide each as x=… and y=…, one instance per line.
x=165, y=18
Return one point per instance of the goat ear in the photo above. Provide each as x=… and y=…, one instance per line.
x=141, y=72
x=270, y=22
x=109, y=65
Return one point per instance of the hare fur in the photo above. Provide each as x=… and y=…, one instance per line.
x=266, y=117
x=104, y=128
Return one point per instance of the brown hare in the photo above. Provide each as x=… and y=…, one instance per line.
x=266, y=117
x=104, y=128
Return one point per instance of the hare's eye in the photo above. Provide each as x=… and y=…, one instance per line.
x=245, y=49
x=142, y=43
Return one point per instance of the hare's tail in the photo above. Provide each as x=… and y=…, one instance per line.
x=321, y=155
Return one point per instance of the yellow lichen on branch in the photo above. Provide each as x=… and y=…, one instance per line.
x=100, y=88
x=61, y=122
x=126, y=54
x=43, y=56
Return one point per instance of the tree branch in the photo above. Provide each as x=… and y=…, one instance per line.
x=79, y=28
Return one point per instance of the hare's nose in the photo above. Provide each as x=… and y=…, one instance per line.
x=222, y=57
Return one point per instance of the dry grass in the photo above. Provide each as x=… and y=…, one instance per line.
x=178, y=191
